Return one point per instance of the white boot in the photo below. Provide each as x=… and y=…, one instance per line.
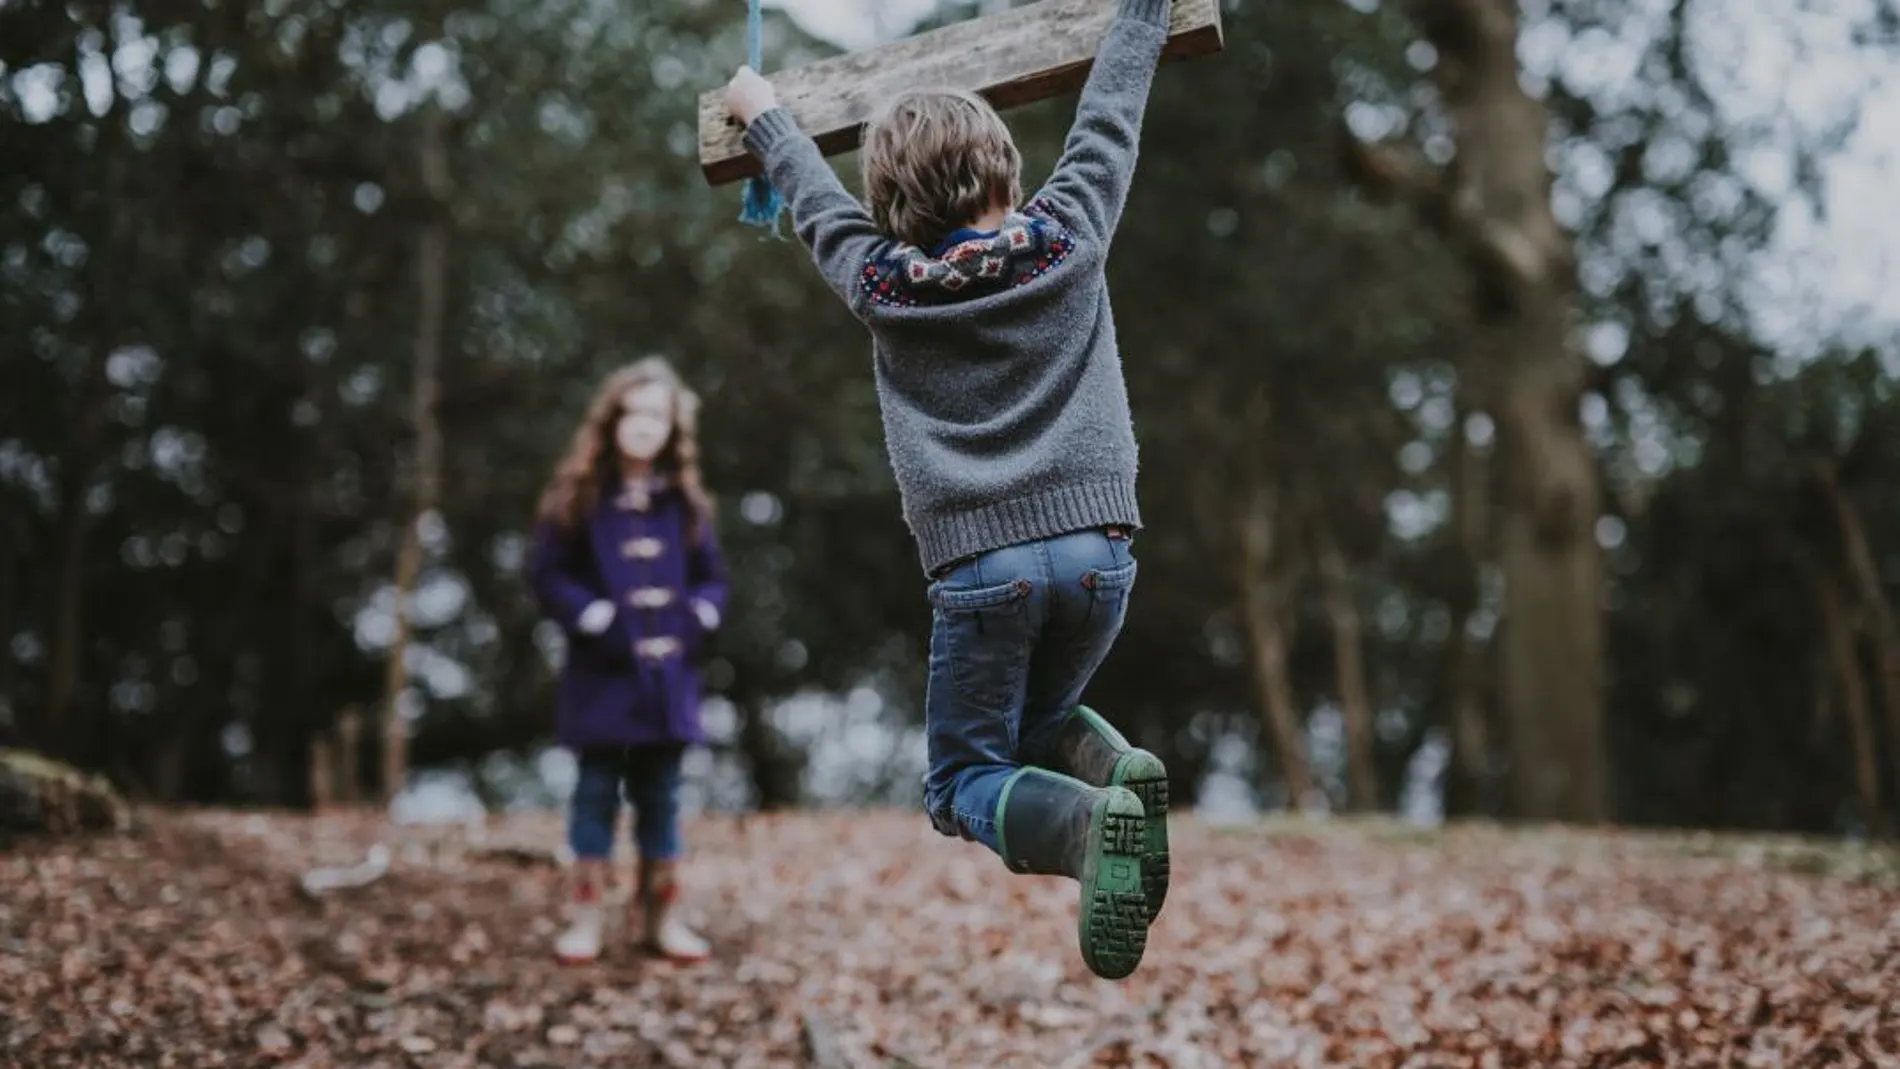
x=580, y=943
x=666, y=934
x=677, y=942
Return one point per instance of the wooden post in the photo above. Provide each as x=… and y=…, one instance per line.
x=322, y=775
x=349, y=730
x=1013, y=58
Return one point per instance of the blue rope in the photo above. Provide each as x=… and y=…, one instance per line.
x=763, y=202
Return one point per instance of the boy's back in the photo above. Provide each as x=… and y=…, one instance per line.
x=1007, y=422
x=1005, y=412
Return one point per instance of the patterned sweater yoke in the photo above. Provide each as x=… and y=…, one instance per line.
x=1028, y=245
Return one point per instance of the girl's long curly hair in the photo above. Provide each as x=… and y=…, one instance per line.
x=592, y=461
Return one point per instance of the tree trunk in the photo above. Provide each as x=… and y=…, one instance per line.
x=305, y=725
x=1837, y=631
x=1821, y=713
x=59, y=724
x=13, y=550
x=775, y=767
x=1362, y=778
x=172, y=764
x=1493, y=206
x=283, y=724
x=108, y=231
x=1551, y=646
x=1876, y=615
x=69, y=590
x=1468, y=777
x=69, y=629
x=432, y=284
x=1266, y=643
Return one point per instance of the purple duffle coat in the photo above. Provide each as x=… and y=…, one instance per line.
x=638, y=682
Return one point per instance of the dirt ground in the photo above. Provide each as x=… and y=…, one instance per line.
x=188, y=943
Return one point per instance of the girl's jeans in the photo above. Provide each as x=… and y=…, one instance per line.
x=650, y=778
x=1017, y=634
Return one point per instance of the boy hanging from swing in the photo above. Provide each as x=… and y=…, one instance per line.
x=1007, y=422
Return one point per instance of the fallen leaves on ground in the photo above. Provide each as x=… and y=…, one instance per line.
x=190, y=945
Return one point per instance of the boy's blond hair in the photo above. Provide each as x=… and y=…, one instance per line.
x=935, y=160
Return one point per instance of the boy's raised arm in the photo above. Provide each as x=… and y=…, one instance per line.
x=1090, y=181
x=826, y=217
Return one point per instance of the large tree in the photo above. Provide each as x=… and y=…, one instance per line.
x=1492, y=204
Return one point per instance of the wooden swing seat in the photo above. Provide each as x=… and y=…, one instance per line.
x=1013, y=58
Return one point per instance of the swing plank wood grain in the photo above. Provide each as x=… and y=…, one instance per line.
x=1013, y=58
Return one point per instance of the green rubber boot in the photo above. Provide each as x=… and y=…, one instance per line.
x=1090, y=749
x=1053, y=825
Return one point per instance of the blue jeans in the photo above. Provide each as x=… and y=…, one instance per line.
x=1017, y=633
x=650, y=776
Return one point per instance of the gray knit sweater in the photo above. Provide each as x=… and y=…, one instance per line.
x=1005, y=411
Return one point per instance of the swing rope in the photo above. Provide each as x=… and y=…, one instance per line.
x=763, y=202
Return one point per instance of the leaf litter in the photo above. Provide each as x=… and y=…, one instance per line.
x=195, y=943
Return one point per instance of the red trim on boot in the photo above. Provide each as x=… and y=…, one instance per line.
x=660, y=893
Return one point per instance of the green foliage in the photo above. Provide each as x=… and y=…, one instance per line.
x=207, y=310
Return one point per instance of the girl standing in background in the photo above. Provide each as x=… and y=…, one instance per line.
x=625, y=560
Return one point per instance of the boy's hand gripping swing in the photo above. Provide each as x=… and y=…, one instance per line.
x=1017, y=57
